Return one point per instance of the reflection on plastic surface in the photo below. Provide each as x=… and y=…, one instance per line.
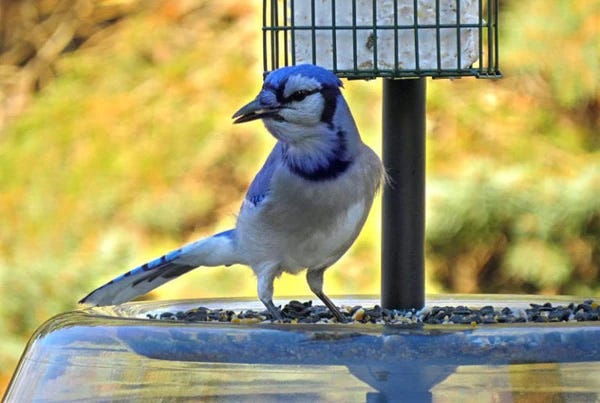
x=114, y=354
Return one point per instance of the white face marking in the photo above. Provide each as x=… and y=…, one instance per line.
x=298, y=82
x=308, y=111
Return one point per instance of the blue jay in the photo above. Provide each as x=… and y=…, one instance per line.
x=304, y=208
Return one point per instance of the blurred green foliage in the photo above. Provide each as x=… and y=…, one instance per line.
x=514, y=165
x=510, y=230
x=130, y=151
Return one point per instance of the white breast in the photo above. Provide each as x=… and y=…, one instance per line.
x=299, y=226
x=326, y=245
x=345, y=229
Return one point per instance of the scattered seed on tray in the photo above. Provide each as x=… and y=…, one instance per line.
x=306, y=312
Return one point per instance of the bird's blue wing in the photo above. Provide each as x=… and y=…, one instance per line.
x=260, y=186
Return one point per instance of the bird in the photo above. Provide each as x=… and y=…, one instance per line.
x=304, y=208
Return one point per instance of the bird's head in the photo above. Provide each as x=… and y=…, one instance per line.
x=294, y=101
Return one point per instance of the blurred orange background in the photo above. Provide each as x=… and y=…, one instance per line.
x=116, y=145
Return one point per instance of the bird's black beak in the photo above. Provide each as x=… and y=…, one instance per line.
x=252, y=111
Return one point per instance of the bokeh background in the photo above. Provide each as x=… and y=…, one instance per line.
x=116, y=145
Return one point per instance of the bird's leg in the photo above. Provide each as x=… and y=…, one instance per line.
x=315, y=282
x=265, y=292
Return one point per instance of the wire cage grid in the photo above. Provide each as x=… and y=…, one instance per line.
x=365, y=39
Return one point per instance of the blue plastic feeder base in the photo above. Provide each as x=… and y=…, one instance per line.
x=117, y=353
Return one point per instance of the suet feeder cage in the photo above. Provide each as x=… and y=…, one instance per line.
x=366, y=39
x=391, y=39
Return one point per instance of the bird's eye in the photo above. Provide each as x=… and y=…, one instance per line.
x=299, y=95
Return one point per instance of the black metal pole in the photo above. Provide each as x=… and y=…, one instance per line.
x=403, y=226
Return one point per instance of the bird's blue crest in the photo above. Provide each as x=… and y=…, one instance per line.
x=277, y=77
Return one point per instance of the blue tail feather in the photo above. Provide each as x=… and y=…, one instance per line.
x=157, y=263
x=156, y=272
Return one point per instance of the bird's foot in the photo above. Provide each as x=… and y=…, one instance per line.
x=332, y=308
x=338, y=315
x=274, y=311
